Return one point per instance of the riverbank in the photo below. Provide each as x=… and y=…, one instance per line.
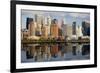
x=44, y=41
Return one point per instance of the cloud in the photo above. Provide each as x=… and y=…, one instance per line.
x=79, y=15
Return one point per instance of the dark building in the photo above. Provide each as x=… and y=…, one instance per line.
x=54, y=21
x=28, y=21
x=86, y=28
x=74, y=28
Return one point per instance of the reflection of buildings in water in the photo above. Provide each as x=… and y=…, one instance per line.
x=74, y=50
x=86, y=50
x=68, y=48
x=28, y=53
x=39, y=53
x=54, y=50
x=44, y=52
x=79, y=49
x=57, y=51
x=61, y=49
x=82, y=49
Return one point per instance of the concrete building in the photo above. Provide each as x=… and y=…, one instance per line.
x=31, y=28
x=49, y=24
x=28, y=21
x=54, y=29
x=44, y=32
x=66, y=30
x=86, y=28
x=74, y=28
x=79, y=31
x=24, y=34
x=39, y=19
x=49, y=20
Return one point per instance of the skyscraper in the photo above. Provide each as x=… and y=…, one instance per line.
x=48, y=23
x=28, y=21
x=86, y=28
x=54, y=28
x=35, y=18
x=79, y=31
x=48, y=20
x=66, y=30
x=31, y=28
x=74, y=28
x=44, y=32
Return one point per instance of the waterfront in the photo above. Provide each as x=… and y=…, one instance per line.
x=47, y=52
x=48, y=36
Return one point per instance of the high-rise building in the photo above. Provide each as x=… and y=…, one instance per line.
x=38, y=31
x=74, y=28
x=54, y=29
x=48, y=20
x=69, y=31
x=48, y=24
x=39, y=19
x=86, y=28
x=24, y=34
x=35, y=18
x=79, y=31
x=66, y=30
x=44, y=32
x=28, y=21
x=31, y=28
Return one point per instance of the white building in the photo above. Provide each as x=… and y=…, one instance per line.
x=79, y=31
x=67, y=31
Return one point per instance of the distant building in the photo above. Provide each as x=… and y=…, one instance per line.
x=79, y=31
x=59, y=32
x=24, y=34
x=28, y=21
x=38, y=19
x=49, y=24
x=69, y=31
x=38, y=29
x=66, y=30
x=54, y=28
x=86, y=28
x=44, y=32
x=35, y=18
x=74, y=28
x=48, y=20
x=31, y=28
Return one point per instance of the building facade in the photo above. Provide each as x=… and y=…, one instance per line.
x=54, y=29
x=86, y=28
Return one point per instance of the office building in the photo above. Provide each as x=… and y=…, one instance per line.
x=86, y=28
x=66, y=30
x=54, y=29
x=31, y=28
x=28, y=21
x=74, y=28
x=44, y=32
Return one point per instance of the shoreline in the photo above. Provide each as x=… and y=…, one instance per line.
x=69, y=41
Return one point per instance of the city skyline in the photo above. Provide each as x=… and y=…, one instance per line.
x=67, y=17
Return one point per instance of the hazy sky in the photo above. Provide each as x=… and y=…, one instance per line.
x=69, y=17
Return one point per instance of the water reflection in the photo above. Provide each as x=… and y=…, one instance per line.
x=54, y=52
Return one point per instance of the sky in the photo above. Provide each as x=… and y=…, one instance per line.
x=69, y=17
